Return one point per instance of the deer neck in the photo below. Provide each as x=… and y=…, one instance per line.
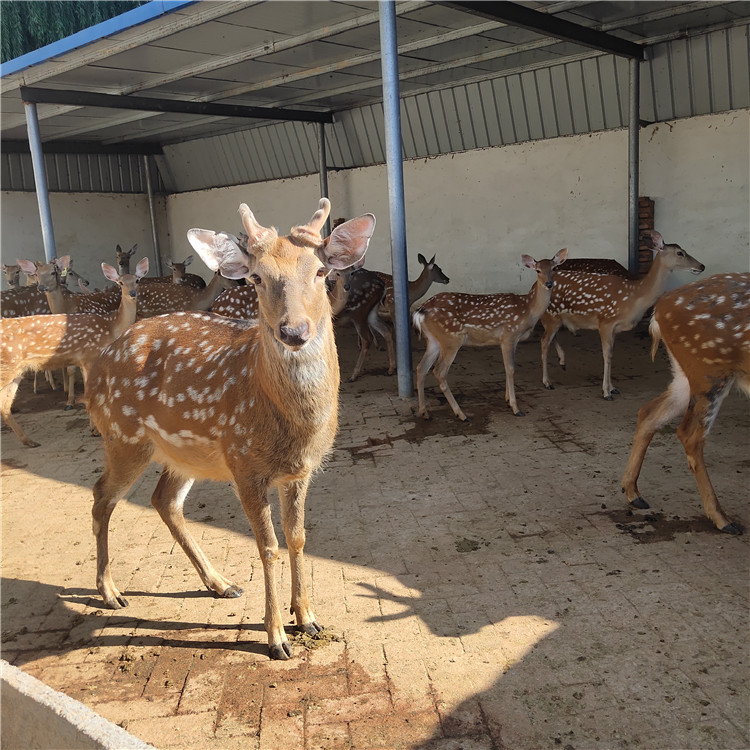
x=207, y=296
x=302, y=385
x=56, y=300
x=653, y=284
x=537, y=301
x=125, y=315
x=418, y=288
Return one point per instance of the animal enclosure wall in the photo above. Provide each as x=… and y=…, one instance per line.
x=87, y=227
x=478, y=210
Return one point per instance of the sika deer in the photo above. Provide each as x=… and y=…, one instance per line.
x=366, y=293
x=214, y=398
x=12, y=275
x=705, y=327
x=609, y=303
x=181, y=276
x=431, y=273
x=452, y=319
x=602, y=266
x=40, y=342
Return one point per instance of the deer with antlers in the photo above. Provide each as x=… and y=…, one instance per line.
x=452, y=319
x=705, y=327
x=609, y=303
x=214, y=398
x=179, y=273
x=39, y=342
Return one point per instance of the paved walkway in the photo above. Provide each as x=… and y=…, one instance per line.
x=484, y=584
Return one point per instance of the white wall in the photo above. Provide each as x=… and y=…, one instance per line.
x=478, y=211
x=87, y=227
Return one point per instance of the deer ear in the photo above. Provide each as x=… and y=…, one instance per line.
x=656, y=240
x=220, y=251
x=142, y=268
x=347, y=244
x=110, y=272
x=528, y=261
x=422, y=259
x=560, y=257
x=27, y=266
x=63, y=264
x=132, y=250
x=187, y=261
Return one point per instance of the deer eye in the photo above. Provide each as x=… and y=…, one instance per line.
x=255, y=279
x=322, y=272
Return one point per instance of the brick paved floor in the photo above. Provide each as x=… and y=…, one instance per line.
x=484, y=584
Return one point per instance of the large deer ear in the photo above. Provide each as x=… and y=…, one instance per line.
x=221, y=252
x=63, y=264
x=110, y=272
x=655, y=239
x=347, y=244
x=528, y=261
x=560, y=257
x=132, y=250
x=27, y=266
x=142, y=268
x=187, y=261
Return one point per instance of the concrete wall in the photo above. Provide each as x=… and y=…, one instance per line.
x=478, y=211
x=87, y=227
x=36, y=716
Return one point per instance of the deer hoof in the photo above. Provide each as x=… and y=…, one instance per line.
x=68, y=407
x=519, y=413
x=280, y=651
x=731, y=528
x=231, y=593
x=608, y=398
x=562, y=365
x=118, y=602
x=639, y=503
x=549, y=386
x=31, y=444
x=465, y=420
x=615, y=391
x=310, y=628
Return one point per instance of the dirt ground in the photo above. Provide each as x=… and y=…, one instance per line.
x=483, y=584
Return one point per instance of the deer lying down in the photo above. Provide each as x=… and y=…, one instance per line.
x=39, y=342
x=214, y=398
x=705, y=327
x=451, y=319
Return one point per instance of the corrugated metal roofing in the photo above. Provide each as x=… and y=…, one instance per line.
x=466, y=83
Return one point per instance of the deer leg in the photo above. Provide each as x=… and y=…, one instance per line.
x=168, y=499
x=384, y=329
x=292, y=500
x=365, y=339
x=607, y=336
x=509, y=361
x=651, y=418
x=71, y=388
x=7, y=396
x=551, y=327
x=254, y=500
x=441, y=374
x=428, y=360
x=119, y=474
x=692, y=433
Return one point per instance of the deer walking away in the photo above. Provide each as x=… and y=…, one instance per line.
x=214, y=398
x=705, y=327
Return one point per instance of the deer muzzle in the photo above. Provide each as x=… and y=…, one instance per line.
x=294, y=335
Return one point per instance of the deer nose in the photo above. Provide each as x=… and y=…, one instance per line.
x=548, y=285
x=295, y=336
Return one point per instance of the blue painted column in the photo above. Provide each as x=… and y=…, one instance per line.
x=400, y=267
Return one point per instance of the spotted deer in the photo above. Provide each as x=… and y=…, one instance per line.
x=59, y=299
x=158, y=299
x=705, y=327
x=609, y=304
x=602, y=266
x=12, y=275
x=215, y=398
x=452, y=319
x=179, y=273
x=39, y=342
x=367, y=291
x=431, y=274
x=18, y=301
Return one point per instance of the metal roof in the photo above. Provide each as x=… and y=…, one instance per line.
x=252, y=81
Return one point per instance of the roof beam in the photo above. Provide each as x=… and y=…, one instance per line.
x=150, y=104
x=543, y=23
x=82, y=147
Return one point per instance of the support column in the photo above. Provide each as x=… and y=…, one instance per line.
x=40, y=181
x=633, y=163
x=152, y=212
x=323, y=167
x=399, y=264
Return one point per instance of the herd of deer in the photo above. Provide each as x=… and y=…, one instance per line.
x=240, y=382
